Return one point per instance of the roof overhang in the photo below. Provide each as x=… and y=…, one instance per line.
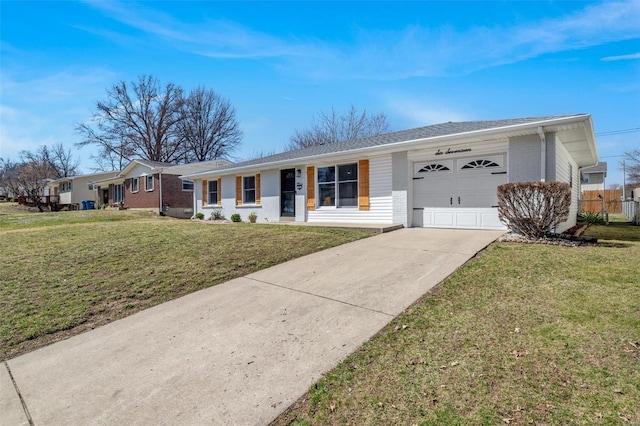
x=575, y=132
x=117, y=180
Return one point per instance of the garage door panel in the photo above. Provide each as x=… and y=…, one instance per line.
x=463, y=196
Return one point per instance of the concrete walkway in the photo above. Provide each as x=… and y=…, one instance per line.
x=238, y=353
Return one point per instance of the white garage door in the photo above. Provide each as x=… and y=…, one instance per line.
x=458, y=193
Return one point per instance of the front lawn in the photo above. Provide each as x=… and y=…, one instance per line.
x=67, y=272
x=522, y=334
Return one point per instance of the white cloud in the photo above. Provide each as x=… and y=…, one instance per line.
x=622, y=57
x=413, y=51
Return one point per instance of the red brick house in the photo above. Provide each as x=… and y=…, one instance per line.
x=152, y=185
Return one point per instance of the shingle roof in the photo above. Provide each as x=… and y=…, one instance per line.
x=601, y=167
x=432, y=131
x=153, y=164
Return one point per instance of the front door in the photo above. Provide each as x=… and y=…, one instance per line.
x=288, y=192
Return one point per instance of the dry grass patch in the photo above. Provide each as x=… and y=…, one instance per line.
x=522, y=334
x=59, y=280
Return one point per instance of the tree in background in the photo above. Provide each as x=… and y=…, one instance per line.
x=208, y=126
x=632, y=166
x=333, y=127
x=9, y=178
x=29, y=177
x=62, y=161
x=138, y=120
x=142, y=120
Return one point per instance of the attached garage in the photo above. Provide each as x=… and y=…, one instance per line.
x=445, y=175
x=458, y=193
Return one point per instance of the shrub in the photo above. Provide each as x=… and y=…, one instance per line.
x=200, y=216
x=533, y=208
x=253, y=217
x=236, y=217
x=592, y=218
x=217, y=215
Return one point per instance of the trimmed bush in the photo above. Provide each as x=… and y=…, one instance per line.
x=236, y=217
x=200, y=216
x=533, y=209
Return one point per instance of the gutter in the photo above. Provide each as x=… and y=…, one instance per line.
x=543, y=154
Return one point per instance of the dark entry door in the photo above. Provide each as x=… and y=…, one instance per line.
x=288, y=192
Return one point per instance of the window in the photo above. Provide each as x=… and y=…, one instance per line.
x=65, y=186
x=249, y=190
x=135, y=185
x=338, y=185
x=434, y=167
x=212, y=192
x=480, y=164
x=118, y=193
x=187, y=185
x=148, y=183
x=92, y=187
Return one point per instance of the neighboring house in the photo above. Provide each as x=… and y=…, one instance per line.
x=635, y=194
x=152, y=185
x=443, y=175
x=593, y=177
x=70, y=192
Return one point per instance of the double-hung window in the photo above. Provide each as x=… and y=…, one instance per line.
x=338, y=185
x=148, y=186
x=249, y=190
x=212, y=192
x=135, y=185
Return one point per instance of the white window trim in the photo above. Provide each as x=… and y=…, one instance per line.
x=335, y=206
x=137, y=181
x=146, y=180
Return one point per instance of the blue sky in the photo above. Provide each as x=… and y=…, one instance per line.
x=280, y=63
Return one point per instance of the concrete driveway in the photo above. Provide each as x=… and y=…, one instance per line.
x=238, y=353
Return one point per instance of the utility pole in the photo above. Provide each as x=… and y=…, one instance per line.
x=624, y=181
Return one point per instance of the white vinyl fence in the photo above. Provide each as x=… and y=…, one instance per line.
x=631, y=209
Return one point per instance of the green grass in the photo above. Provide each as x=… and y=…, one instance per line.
x=64, y=273
x=522, y=334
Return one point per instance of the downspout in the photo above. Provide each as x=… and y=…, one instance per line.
x=160, y=184
x=543, y=154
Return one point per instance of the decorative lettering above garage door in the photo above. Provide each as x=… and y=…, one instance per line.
x=453, y=151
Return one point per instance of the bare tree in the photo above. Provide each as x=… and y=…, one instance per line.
x=29, y=177
x=114, y=158
x=9, y=171
x=333, y=127
x=34, y=172
x=208, y=127
x=632, y=165
x=138, y=121
x=63, y=162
